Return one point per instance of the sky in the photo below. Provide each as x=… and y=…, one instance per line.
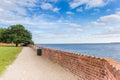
x=64, y=21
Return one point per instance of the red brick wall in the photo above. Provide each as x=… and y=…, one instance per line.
x=86, y=67
x=6, y=44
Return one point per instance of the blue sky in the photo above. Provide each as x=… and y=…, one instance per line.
x=65, y=21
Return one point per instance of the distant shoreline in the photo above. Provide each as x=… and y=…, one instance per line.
x=80, y=43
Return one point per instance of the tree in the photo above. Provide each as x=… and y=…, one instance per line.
x=4, y=35
x=16, y=34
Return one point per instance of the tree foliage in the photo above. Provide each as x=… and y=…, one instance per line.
x=15, y=34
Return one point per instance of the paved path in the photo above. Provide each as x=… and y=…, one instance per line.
x=29, y=66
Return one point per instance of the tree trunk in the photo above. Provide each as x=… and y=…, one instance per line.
x=16, y=44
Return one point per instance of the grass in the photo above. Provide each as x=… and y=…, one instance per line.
x=7, y=56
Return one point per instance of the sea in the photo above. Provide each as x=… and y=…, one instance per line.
x=103, y=50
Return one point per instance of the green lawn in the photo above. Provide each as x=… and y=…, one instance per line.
x=7, y=56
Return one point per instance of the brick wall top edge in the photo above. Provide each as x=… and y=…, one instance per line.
x=114, y=68
x=79, y=54
x=113, y=63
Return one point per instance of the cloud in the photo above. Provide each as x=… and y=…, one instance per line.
x=107, y=20
x=46, y=1
x=96, y=11
x=48, y=6
x=79, y=9
x=17, y=6
x=110, y=31
x=79, y=30
x=25, y=3
x=77, y=3
x=69, y=28
x=74, y=25
x=98, y=24
x=8, y=17
x=88, y=3
x=68, y=12
x=15, y=12
x=94, y=3
x=113, y=18
x=56, y=9
x=117, y=9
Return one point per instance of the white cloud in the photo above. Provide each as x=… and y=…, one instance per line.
x=77, y=3
x=94, y=3
x=78, y=39
x=8, y=17
x=96, y=11
x=26, y=3
x=69, y=13
x=47, y=1
x=80, y=9
x=110, y=31
x=88, y=3
x=99, y=40
x=107, y=20
x=74, y=25
x=113, y=18
x=17, y=6
x=97, y=24
x=56, y=9
x=80, y=30
x=118, y=9
x=48, y=6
